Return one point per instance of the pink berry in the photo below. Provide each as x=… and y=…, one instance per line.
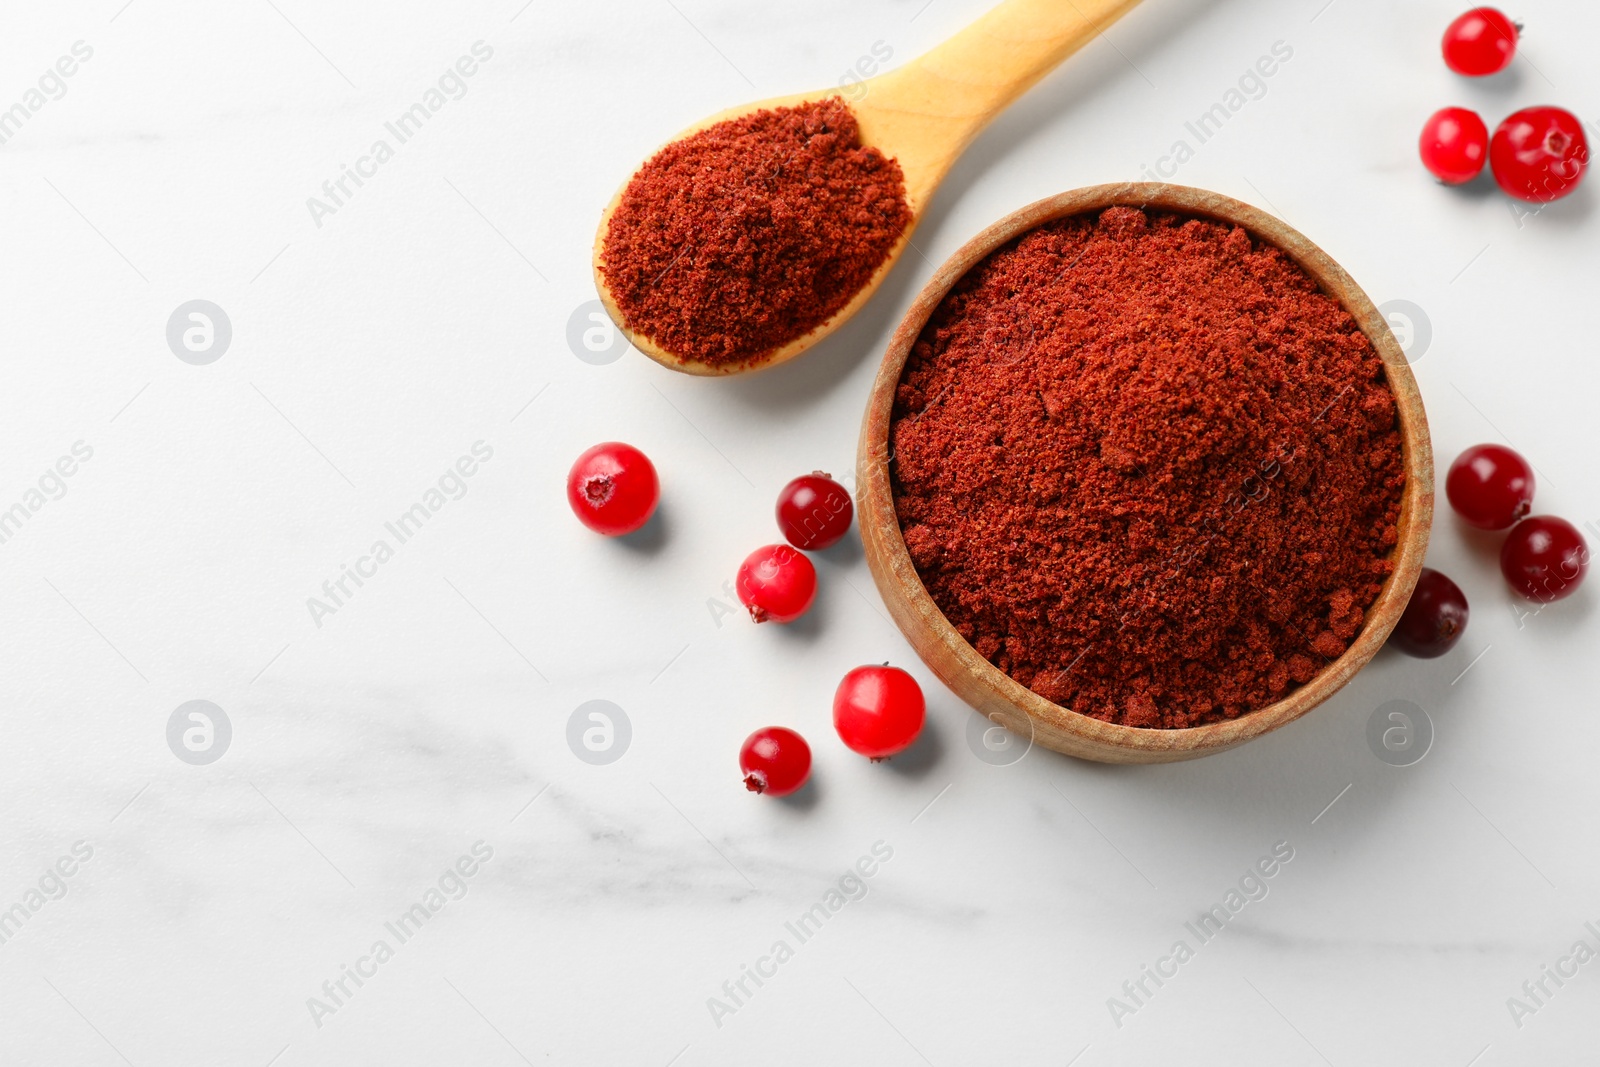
x=613, y=488
x=878, y=711
x=1435, y=618
x=1480, y=42
x=1544, y=558
x=1539, y=154
x=814, y=511
x=1454, y=145
x=775, y=761
x=776, y=583
x=1490, y=486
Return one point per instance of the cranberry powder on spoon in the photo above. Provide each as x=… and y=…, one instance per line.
x=738, y=239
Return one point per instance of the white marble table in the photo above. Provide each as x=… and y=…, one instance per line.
x=611, y=908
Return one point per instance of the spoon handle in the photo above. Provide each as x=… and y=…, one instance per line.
x=926, y=112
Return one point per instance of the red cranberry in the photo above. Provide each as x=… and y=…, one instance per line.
x=775, y=761
x=1454, y=145
x=1544, y=558
x=1480, y=42
x=1490, y=486
x=1539, y=154
x=776, y=583
x=1434, y=619
x=814, y=511
x=878, y=711
x=613, y=488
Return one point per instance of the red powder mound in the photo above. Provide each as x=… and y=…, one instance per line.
x=742, y=237
x=1147, y=468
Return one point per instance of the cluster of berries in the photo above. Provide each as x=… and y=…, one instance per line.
x=1543, y=558
x=878, y=710
x=1538, y=154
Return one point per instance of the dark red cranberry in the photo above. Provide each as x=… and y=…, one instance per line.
x=1434, y=619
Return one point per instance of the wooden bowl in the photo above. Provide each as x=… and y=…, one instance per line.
x=987, y=688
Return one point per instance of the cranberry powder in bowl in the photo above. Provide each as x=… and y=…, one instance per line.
x=1147, y=468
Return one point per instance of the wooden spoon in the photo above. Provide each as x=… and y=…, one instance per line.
x=924, y=115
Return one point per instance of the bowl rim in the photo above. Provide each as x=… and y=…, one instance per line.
x=989, y=689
